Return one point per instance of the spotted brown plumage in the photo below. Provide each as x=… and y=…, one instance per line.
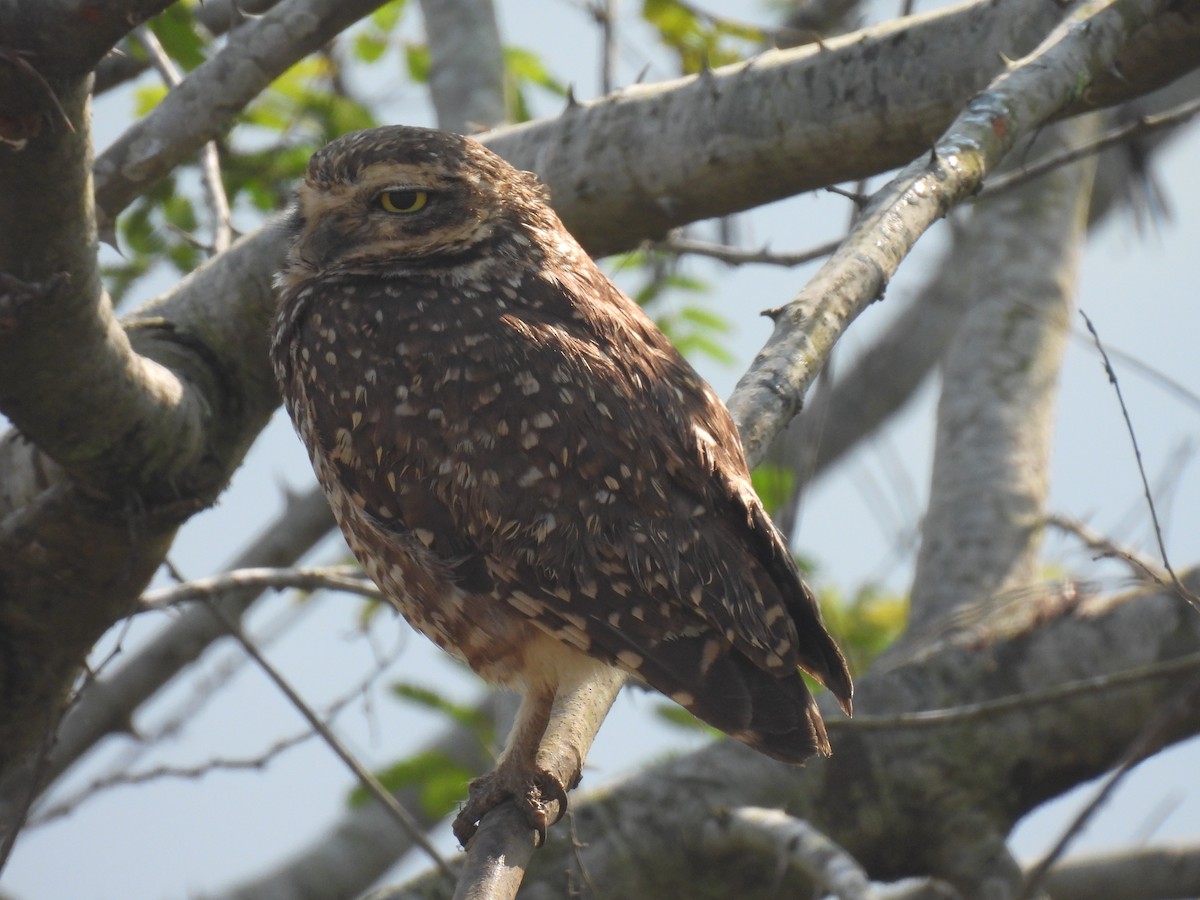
x=522, y=461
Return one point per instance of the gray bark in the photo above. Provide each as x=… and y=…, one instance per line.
x=466, y=78
x=990, y=480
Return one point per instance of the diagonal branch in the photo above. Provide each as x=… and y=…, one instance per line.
x=1031, y=93
x=206, y=102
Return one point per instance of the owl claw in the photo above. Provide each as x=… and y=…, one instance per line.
x=533, y=791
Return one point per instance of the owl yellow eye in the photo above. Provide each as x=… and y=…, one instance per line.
x=402, y=201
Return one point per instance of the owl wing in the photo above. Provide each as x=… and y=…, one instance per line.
x=569, y=460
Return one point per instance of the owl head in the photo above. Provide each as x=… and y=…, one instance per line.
x=407, y=200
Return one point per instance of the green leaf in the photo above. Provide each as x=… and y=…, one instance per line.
x=146, y=97
x=774, y=486
x=416, y=57
x=681, y=718
x=430, y=699
x=177, y=30
x=440, y=782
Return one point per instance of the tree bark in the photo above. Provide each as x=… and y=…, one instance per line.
x=987, y=506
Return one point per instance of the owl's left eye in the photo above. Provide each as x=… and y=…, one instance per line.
x=401, y=201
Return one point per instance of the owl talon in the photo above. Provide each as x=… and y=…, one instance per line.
x=532, y=791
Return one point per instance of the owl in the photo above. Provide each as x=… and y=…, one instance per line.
x=525, y=465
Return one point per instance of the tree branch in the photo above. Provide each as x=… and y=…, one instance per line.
x=1140, y=874
x=466, y=75
x=205, y=103
x=893, y=795
x=66, y=39
x=1021, y=100
x=989, y=486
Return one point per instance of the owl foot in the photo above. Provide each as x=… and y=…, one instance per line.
x=533, y=791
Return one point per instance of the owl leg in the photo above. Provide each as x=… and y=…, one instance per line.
x=550, y=739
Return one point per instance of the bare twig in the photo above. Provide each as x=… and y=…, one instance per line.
x=1150, y=739
x=256, y=762
x=967, y=712
x=210, y=159
x=1145, y=125
x=497, y=857
x=305, y=578
x=466, y=75
x=1176, y=584
x=402, y=816
x=736, y=256
x=1141, y=566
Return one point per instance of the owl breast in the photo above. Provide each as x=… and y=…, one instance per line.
x=404, y=397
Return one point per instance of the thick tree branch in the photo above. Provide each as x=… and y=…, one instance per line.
x=66, y=39
x=982, y=530
x=466, y=76
x=1142, y=874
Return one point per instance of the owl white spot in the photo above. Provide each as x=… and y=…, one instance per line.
x=527, y=383
x=331, y=358
x=630, y=659
x=391, y=480
x=683, y=698
x=611, y=483
x=529, y=441
x=531, y=477
x=356, y=418
x=526, y=604
x=709, y=654
x=370, y=376
x=424, y=535
x=543, y=420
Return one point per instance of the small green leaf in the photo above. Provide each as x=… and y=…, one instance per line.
x=774, y=486
x=431, y=699
x=681, y=718
x=416, y=57
x=440, y=782
x=146, y=97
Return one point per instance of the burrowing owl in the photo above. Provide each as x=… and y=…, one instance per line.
x=522, y=461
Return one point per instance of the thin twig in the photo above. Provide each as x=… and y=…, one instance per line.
x=1144, y=125
x=1182, y=591
x=119, y=775
x=1150, y=738
x=1138, y=564
x=210, y=158
x=967, y=712
x=736, y=256
x=402, y=816
x=305, y=578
